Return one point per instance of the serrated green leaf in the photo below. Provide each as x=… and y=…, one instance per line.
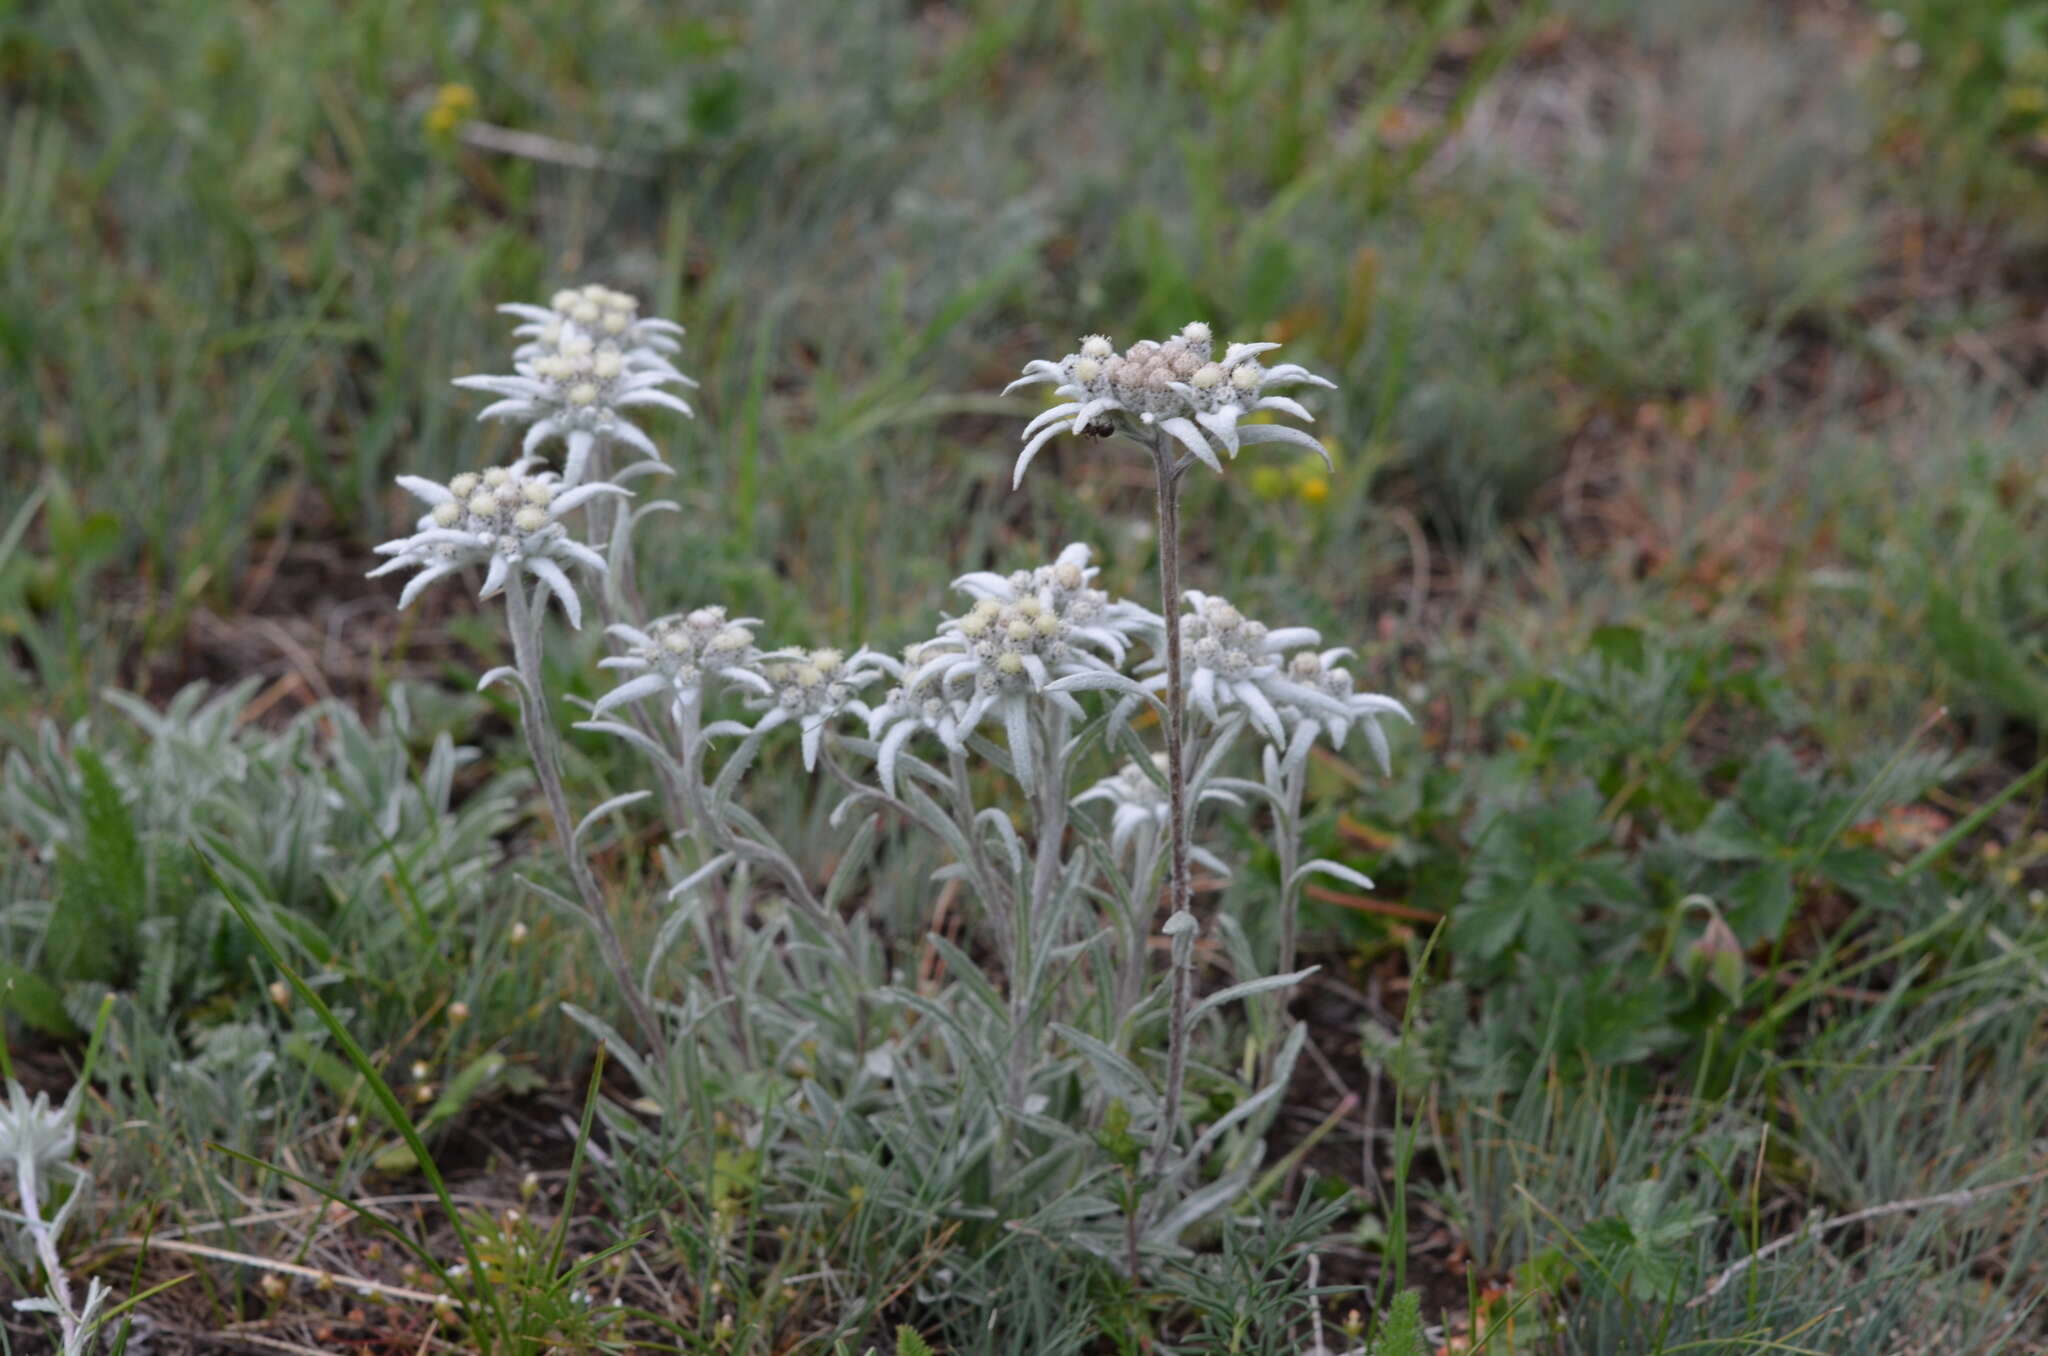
x=1401, y=1332
x=102, y=882
x=1759, y=903
x=1538, y=867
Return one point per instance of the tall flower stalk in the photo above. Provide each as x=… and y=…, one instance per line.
x=1167, y=474
x=543, y=744
x=509, y=521
x=1166, y=395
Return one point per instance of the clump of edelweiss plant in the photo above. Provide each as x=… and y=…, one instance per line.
x=38, y=1141
x=996, y=753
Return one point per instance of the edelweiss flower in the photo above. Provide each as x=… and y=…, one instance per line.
x=1141, y=806
x=919, y=701
x=604, y=314
x=680, y=655
x=34, y=1135
x=1234, y=661
x=813, y=687
x=1064, y=589
x=1320, y=672
x=585, y=362
x=506, y=518
x=1025, y=631
x=1175, y=384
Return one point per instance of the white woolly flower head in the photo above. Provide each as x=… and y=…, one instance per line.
x=918, y=702
x=506, y=519
x=1178, y=385
x=1025, y=631
x=36, y=1136
x=1233, y=661
x=588, y=359
x=1064, y=591
x=681, y=655
x=812, y=688
x=1139, y=809
x=1323, y=672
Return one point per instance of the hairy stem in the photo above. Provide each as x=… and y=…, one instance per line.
x=1180, y=922
x=1181, y=927
x=544, y=744
x=720, y=940
x=708, y=816
x=1050, y=727
x=45, y=1237
x=1179, y=889
x=1052, y=806
x=1287, y=843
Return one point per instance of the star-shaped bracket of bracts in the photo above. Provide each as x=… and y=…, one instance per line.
x=682, y=657
x=919, y=703
x=812, y=688
x=1174, y=385
x=1026, y=634
x=1139, y=807
x=1231, y=661
x=505, y=519
x=586, y=362
x=1323, y=671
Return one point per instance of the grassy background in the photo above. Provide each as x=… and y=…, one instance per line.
x=1688, y=358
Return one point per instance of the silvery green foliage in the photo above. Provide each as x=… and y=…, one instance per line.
x=508, y=520
x=1176, y=385
x=310, y=818
x=37, y=1140
x=587, y=360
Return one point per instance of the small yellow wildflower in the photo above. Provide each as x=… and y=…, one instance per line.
x=454, y=105
x=2028, y=100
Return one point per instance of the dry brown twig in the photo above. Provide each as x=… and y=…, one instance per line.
x=1810, y=1230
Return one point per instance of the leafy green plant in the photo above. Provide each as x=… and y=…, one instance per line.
x=1778, y=825
x=1400, y=1331
x=319, y=823
x=1534, y=870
